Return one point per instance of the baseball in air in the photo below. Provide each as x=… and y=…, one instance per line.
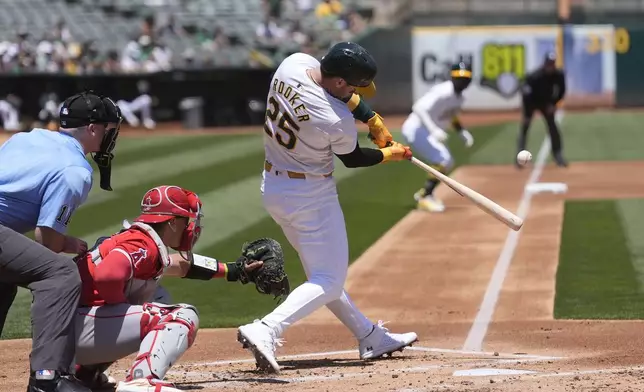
x=524, y=157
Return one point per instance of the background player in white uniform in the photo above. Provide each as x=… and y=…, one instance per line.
x=425, y=127
x=308, y=121
x=9, y=114
x=141, y=104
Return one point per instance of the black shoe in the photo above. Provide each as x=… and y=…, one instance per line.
x=94, y=377
x=56, y=383
x=561, y=162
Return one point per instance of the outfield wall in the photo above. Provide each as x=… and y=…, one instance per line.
x=230, y=97
x=601, y=62
x=603, y=65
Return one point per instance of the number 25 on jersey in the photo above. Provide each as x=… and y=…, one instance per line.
x=287, y=127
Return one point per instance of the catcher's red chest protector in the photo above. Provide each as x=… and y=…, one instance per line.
x=147, y=255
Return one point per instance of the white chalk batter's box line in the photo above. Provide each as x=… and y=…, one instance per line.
x=244, y=382
x=492, y=358
x=347, y=352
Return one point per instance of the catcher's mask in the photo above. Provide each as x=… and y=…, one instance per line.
x=88, y=108
x=163, y=203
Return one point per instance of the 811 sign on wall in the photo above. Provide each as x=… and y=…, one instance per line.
x=501, y=57
x=503, y=67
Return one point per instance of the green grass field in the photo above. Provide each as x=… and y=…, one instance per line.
x=225, y=171
x=601, y=263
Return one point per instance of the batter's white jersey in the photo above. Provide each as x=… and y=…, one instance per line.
x=434, y=110
x=305, y=125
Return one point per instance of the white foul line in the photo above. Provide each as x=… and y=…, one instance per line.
x=477, y=333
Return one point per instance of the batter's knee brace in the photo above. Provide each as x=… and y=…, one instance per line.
x=167, y=331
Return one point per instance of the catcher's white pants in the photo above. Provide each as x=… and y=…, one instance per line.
x=9, y=116
x=312, y=220
x=425, y=145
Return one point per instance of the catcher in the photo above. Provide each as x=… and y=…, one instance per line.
x=120, y=275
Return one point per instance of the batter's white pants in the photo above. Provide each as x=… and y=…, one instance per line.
x=9, y=116
x=424, y=144
x=311, y=218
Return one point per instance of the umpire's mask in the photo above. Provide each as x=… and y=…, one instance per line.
x=103, y=158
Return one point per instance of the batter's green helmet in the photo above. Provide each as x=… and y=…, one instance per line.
x=352, y=63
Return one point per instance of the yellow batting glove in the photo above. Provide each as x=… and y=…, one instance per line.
x=396, y=152
x=378, y=132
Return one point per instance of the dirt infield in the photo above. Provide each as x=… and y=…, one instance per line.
x=436, y=274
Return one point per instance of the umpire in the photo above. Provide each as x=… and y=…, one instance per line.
x=542, y=91
x=44, y=177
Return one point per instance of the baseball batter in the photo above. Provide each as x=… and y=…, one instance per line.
x=425, y=128
x=308, y=121
x=120, y=275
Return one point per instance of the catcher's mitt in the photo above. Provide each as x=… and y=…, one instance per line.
x=270, y=278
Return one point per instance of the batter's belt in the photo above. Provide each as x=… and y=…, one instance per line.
x=291, y=174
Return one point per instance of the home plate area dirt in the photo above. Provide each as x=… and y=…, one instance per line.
x=429, y=274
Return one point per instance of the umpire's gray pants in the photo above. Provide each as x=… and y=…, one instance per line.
x=55, y=284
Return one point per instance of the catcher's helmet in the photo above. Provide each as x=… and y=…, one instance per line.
x=352, y=63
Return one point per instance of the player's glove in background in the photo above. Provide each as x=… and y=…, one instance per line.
x=270, y=278
x=378, y=132
x=467, y=137
x=439, y=135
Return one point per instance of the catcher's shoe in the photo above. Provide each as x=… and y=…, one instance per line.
x=261, y=340
x=47, y=381
x=381, y=342
x=95, y=377
x=431, y=203
x=146, y=385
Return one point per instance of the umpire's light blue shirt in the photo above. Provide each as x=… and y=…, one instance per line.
x=44, y=177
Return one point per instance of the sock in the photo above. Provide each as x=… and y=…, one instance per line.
x=430, y=185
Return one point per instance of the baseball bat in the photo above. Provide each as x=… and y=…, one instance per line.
x=485, y=204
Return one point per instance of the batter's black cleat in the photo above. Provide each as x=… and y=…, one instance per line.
x=561, y=162
x=49, y=381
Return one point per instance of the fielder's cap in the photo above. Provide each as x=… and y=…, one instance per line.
x=83, y=109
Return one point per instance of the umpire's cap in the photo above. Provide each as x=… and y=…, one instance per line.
x=85, y=108
x=550, y=58
x=352, y=63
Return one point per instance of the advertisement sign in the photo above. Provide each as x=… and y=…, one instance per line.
x=502, y=56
